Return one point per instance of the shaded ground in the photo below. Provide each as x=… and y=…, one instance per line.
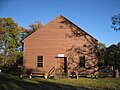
x=8, y=82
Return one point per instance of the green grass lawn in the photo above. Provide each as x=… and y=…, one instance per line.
x=8, y=82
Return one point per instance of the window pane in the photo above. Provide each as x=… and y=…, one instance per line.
x=40, y=58
x=40, y=61
x=82, y=61
x=40, y=64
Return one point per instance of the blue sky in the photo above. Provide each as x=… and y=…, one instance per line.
x=94, y=16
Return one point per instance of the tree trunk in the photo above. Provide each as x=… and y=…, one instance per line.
x=116, y=73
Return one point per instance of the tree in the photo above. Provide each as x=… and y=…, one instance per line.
x=113, y=57
x=101, y=53
x=116, y=22
x=9, y=40
x=33, y=27
x=113, y=54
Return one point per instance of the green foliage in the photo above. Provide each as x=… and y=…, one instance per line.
x=9, y=40
x=101, y=53
x=19, y=61
x=116, y=22
x=113, y=55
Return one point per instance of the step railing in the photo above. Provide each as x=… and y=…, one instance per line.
x=51, y=71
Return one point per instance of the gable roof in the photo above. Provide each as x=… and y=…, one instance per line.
x=77, y=27
x=66, y=21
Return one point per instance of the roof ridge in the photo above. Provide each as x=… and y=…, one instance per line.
x=59, y=16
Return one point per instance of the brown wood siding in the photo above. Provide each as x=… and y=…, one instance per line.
x=58, y=38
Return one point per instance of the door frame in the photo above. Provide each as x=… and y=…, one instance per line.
x=65, y=64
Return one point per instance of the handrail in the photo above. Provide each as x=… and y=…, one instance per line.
x=51, y=71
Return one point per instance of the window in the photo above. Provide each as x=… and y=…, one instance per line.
x=40, y=61
x=82, y=61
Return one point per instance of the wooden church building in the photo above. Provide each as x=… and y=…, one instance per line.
x=60, y=47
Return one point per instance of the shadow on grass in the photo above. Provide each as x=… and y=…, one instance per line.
x=11, y=83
